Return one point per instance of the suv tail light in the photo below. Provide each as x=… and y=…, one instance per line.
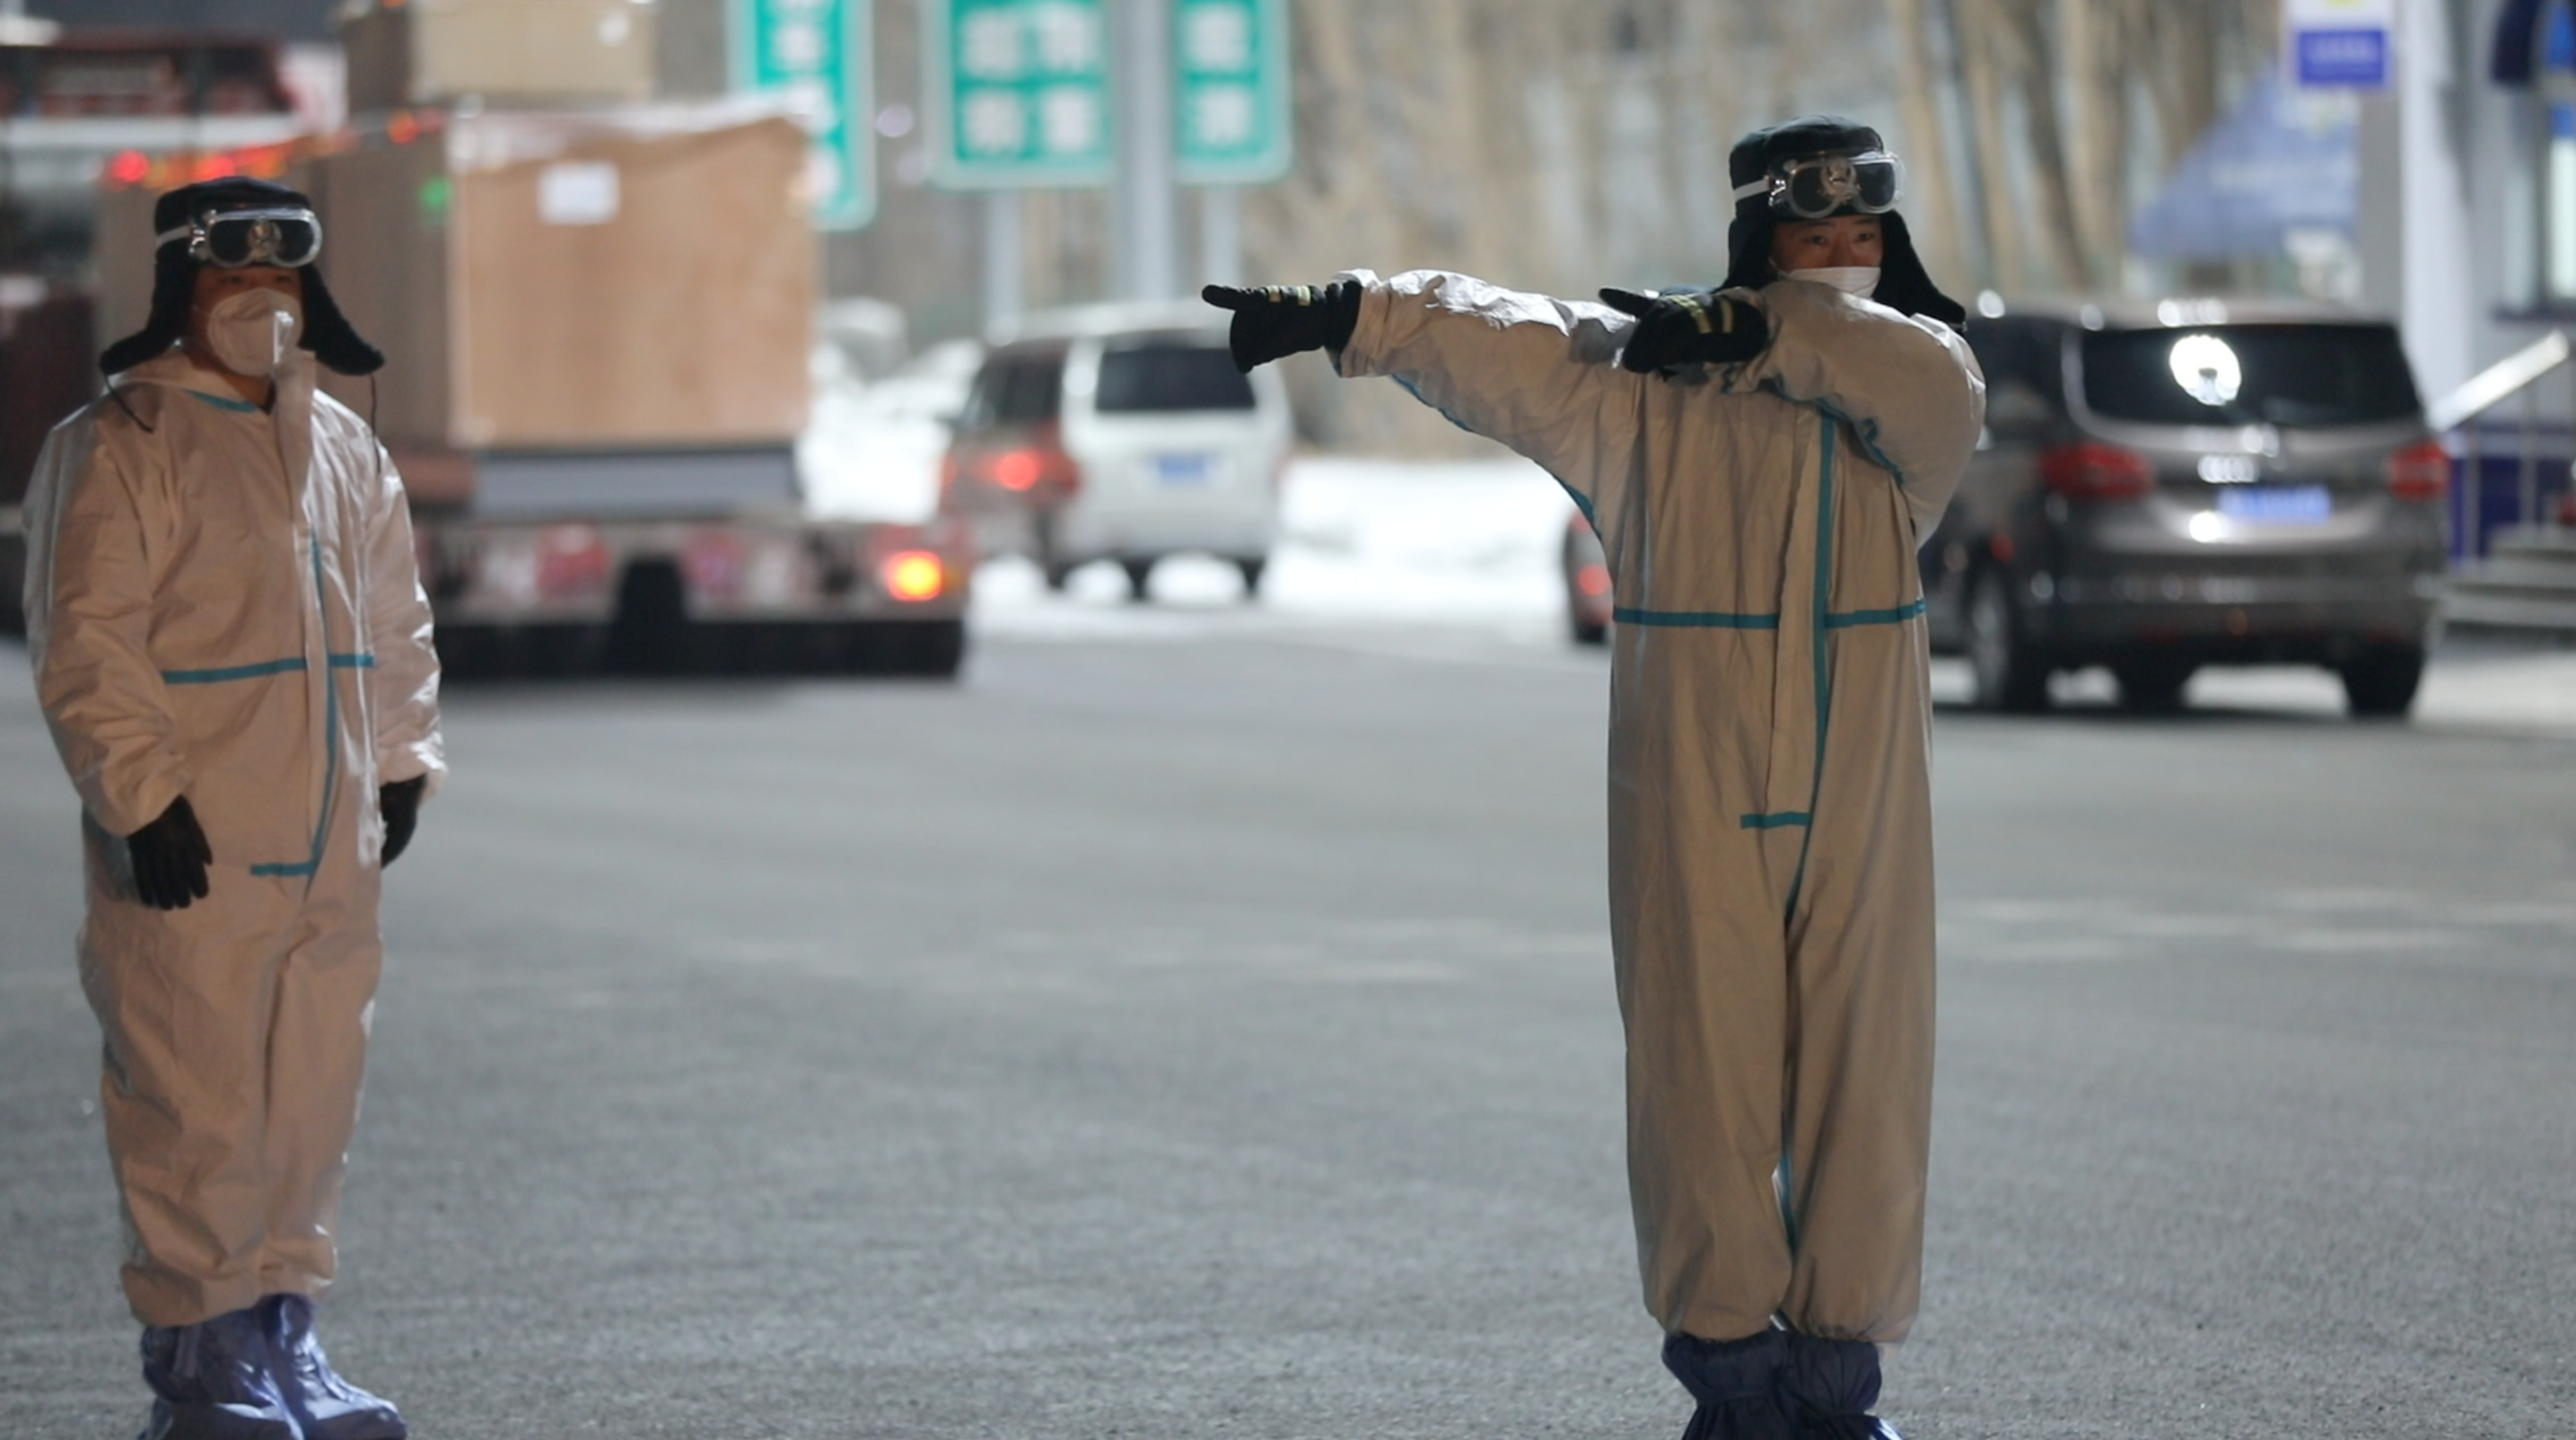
x=1036, y=470
x=1016, y=469
x=2420, y=472
x=1029, y=465
x=2091, y=470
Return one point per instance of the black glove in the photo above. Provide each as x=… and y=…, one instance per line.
x=1688, y=327
x=1277, y=320
x=170, y=857
x=399, y=803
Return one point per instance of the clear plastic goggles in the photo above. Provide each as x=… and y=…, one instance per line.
x=1823, y=185
x=235, y=238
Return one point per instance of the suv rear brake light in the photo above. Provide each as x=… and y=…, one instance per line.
x=2420, y=472
x=1032, y=470
x=2091, y=470
x=1016, y=469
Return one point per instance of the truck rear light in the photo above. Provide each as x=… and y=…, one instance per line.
x=913, y=575
x=572, y=561
x=2420, y=472
x=2091, y=470
x=714, y=564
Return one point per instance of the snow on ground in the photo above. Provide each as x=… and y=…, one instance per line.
x=1468, y=548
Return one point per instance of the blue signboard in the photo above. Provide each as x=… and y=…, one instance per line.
x=2340, y=44
x=2342, y=59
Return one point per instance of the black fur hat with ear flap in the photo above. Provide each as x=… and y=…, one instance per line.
x=1903, y=284
x=327, y=333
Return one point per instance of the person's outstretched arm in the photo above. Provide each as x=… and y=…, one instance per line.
x=1538, y=374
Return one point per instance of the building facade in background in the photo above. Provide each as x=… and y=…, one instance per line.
x=2497, y=125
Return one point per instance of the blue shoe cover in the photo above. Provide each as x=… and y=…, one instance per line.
x=326, y=1406
x=1829, y=1385
x=210, y=1381
x=1736, y=1383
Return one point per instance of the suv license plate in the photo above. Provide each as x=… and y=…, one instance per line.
x=1183, y=469
x=2277, y=504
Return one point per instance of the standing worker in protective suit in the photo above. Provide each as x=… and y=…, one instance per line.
x=1761, y=461
x=233, y=651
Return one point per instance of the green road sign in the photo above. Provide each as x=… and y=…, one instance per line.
x=1017, y=93
x=1230, y=91
x=816, y=55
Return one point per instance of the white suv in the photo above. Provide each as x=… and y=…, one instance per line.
x=1120, y=432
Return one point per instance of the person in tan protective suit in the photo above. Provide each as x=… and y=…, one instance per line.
x=1761, y=461
x=233, y=652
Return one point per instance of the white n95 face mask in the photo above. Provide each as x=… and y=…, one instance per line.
x=252, y=331
x=1855, y=280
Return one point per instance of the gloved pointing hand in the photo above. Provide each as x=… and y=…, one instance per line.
x=170, y=857
x=1278, y=320
x=399, y=803
x=1688, y=327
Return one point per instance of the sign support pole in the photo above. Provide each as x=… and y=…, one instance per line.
x=1143, y=265
x=1221, y=235
x=1005, y=293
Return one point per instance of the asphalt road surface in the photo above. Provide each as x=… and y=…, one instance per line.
x=1212, y=1035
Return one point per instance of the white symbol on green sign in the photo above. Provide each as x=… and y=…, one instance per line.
x=1232, y=104
x=1019, y=91
x=814, y=55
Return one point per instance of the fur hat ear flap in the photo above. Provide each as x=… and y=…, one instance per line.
x=174, y=281
x=1748, y=251
x=1903, y=283
x=329, y=335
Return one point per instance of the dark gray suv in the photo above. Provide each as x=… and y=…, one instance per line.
x=2166, y=485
